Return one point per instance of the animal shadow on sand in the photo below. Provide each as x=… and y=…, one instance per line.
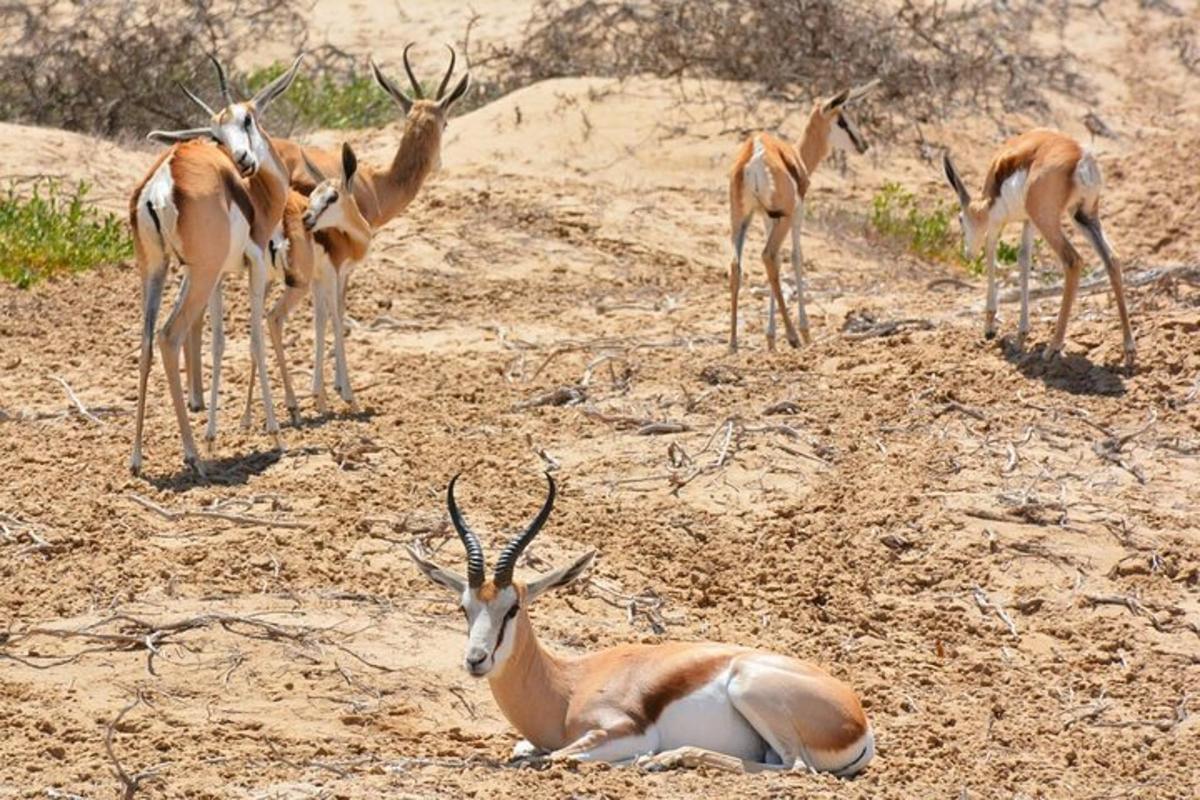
x=1071, y=373
x=232, y=470
x=318, y=420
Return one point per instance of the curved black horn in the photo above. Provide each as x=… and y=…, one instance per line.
x=221, y=79
x=197, y=101
x=508, y=557
x=469, y=539
x=412, y=78
x=449, y=71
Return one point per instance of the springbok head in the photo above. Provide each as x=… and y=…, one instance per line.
x=972, y=216
x=420, y=112
x=235, y=125
x=496, y=609
x=843, y=133
x=331, y=204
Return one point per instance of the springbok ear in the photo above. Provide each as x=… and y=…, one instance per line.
x=312, y=168
x=349, y=164
x=964, y=197
x=837, y=101
x=174, y=137
x=457, y=94
x=386, y=84
x=272, y=90
x=442, y=577
x=560, y=577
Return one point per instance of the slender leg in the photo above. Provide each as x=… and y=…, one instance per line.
x=291, y=297
x=617, y=744
x=1090, y=225
x=341, y=372
x=1052, y=232
x=322, y=303
x=1025, y=259
x=735, y=280
x=188, y=308
x=989, y=314
x=258, y=288
x=768, y=229
x=798, y=272
x=193, y=365
x=152, y=288
x=217, y=312
x=689, y=757
x=770, y=256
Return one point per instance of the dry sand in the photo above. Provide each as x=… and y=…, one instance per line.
x=1003, y=558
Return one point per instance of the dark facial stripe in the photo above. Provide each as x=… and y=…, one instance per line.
x=503, y=628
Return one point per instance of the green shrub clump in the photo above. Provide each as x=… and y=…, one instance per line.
x=54, y=230
x=328, y=101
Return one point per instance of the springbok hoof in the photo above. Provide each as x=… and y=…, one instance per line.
x=294, y=415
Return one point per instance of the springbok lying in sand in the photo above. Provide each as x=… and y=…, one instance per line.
x=771, y=176
x=1036, y=178
x=382, y=194
x=330, y=207
x=663, y=705
x=209, y=208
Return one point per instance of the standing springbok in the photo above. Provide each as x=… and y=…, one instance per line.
x=381, y=194
x=1035, y=178
x=330, y=208
x=666, y=704
x=771, y=176
x=209, y=208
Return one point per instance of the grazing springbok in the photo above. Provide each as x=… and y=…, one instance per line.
x=330, y=207
x=209, y=208
x=663, y=705
x=381, y=194
x=1036, y=178
x=771, y=176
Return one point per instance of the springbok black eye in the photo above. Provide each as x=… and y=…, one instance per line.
x=333, y=198
x=247, y=123
x=512, y=612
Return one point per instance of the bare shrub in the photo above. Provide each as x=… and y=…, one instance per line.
x=113, y=66
x=932, y=58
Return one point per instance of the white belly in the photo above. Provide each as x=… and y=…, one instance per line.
x=706, y=718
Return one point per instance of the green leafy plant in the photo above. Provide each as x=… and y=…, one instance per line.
x=928, y=232
x=52, y=230
x=327, y=100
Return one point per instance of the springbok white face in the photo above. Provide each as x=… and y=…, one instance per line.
x=495, y=609
x=972, y=220
x=235, y=127
x=843, y=133
x=331, y=204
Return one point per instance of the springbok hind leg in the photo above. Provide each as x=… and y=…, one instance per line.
x=738, y=240
x=1025, y=260
x=770, y=256
x=1089, y=224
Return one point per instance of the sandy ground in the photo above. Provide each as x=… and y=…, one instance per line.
x=1002, y=557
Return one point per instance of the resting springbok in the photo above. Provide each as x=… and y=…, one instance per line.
x=1035, y=178
x=382, y=194
x=664, y=705
x=771, y=176
x=209, y=208
x=331, y=207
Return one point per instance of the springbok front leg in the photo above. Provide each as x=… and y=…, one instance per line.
x=622, y=742
x=798, y=271
x=216, y=310
x=1025, y=261
x=193, y=365
x=1089, y=224
x=152, y=288
x=689, y=757
x=258, y=290
x=291, y=297
x=324, y=289
x=989, y=311
x=341, y=370
x=1068, y=256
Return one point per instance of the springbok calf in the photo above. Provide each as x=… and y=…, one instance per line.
x=208, y=208
x=330, y=208
x=665, y=705
x=1035, y=178
x=771, y=176
x=381, y=194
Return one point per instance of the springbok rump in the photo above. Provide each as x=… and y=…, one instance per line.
x=1036, y=178
x=683, y=703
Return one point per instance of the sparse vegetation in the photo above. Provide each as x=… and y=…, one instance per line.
x=51, y=230
x=927, y=231
x=932, y=57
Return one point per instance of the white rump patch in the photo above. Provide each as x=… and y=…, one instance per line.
x=759, y=182
x=159, y=194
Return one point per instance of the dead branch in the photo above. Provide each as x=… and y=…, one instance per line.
x=129, y=783
x=1185, y=273
x=79, y=406
x=240, y=519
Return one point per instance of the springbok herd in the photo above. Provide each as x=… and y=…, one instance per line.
x=226, y=194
